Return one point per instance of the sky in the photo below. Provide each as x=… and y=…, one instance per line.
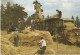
x=68, y=7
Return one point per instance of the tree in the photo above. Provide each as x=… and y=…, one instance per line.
x=11, y=14
x=2, y=16
x=77, y=21
x=33, y=16
x=2, y=9
x=28, y=22
x=72, y=17
x=48, y=16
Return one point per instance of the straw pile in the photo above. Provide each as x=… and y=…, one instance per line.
x=55, y=16
x=69, y=25
x=7, y=48
x=28, y=41
x=72, y=37
x=28, y=38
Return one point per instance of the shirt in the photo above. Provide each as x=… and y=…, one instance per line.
x=43, y=42
x=33, y=21
x=16, y=33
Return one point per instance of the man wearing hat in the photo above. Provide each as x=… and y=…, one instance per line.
x=59, y=13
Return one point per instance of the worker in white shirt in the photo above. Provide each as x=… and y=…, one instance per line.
x=43, y=45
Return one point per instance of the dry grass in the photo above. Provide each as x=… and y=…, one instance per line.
x=28, y=41
x=69, y=25
x=55, y=16
x=71, y=35
x=65, y=49
x=28, y=38
x=8, y=48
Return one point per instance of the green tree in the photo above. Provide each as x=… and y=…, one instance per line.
x=77, y=21
x=11, y=14
x=33, y=16
x=72, y=17
x=2, y=16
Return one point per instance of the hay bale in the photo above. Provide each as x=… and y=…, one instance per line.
x=4, y=50
x=7, y=48
x=55, y=16
x=25, y=31
x=50, y=51
x=25, y=40
x=32, y=38
x=72, y=37
x=5, y=41
x=3, y=32
x=69, y=25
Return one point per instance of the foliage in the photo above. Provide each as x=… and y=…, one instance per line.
x=33, y=16
x=11, y=14
x=72, y=17
x=77, y=21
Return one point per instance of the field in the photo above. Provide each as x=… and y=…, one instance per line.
x=8, y=47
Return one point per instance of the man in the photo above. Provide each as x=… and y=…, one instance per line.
x=16, y=38
x=43, y=45
x=59, y=13
x=32, y=24
x=19, y=25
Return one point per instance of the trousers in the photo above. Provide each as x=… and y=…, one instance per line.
x=16, y=41
x=43, y=50
x=32, y=28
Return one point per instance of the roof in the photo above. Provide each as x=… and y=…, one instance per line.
x=49, y=19
x=77, y=29
x=53, y=19
x=67, y=19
